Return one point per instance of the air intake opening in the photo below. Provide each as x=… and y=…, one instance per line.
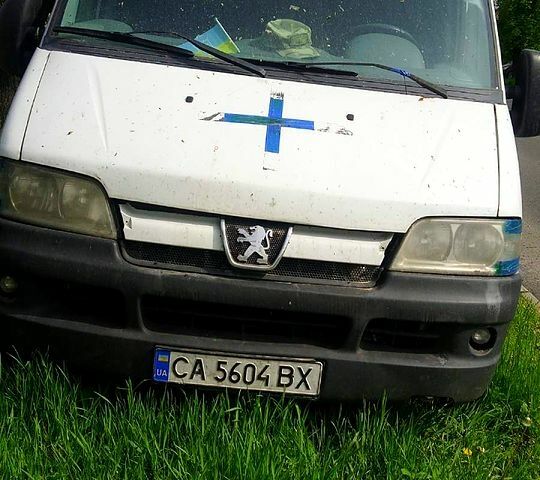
x=407, y=336
x=212, y=320
x=77, y=302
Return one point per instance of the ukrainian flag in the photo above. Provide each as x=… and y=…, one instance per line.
x=216, y=37
x=163, y=358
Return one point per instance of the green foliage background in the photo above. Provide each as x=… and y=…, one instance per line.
x=519, y=26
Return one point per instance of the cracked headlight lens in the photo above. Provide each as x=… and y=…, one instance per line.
x=49, y=198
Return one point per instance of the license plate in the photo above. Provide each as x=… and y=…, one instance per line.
x=269, y=374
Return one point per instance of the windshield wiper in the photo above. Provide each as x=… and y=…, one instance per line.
x=400, y=71
x=320, y=67
x=131, y=38
x=122, y=37
x=292, y=65
x=226, y=57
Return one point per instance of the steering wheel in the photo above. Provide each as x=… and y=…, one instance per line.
x=385, y=28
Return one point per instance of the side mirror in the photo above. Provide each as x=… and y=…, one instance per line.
x=20, y=22
x=526, y=94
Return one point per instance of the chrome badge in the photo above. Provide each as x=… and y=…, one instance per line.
x=256, y=247
x=259, y=242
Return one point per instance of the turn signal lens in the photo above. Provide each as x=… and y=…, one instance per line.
x=461, y=246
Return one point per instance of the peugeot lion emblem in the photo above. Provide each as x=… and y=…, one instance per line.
x=253, y=246
x=259, y=242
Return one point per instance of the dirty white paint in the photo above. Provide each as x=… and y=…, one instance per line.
x=174, y=229
x=338, y=245
x=510, y=204
x=12, y=133
x=129, y=125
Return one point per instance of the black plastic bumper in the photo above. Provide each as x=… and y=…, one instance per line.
x=82, y=300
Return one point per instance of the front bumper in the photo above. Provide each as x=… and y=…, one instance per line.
x=82, y=300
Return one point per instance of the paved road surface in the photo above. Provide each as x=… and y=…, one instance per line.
x=529, y=160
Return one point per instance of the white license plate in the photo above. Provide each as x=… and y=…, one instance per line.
x=269, y=374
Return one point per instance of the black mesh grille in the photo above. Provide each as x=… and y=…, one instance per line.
x=173, y=257
x=333, y=271
x=215, y=262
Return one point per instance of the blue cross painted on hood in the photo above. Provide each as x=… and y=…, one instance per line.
x=274, y=122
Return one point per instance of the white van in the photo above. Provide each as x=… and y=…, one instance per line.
x=317, y=198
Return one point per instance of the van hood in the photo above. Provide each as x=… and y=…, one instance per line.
x=261, y=148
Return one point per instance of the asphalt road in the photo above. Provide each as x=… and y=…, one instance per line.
x=529, y=164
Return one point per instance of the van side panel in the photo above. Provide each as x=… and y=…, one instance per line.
x=12, y=134
x=510, y=204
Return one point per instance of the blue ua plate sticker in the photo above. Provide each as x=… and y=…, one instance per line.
x=161, y=365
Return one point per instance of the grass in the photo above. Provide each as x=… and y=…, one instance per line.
x=53, y=427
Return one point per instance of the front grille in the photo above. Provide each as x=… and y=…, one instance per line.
x=180, y=317
x=215, y=262
x=407, y=336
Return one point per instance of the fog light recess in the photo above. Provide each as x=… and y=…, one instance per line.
x=483, y=340
x=8, y=285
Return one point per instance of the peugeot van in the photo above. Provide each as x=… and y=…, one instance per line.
x=314, y=198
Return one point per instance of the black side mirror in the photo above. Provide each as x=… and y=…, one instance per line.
x=526, y=94
x=20, y=22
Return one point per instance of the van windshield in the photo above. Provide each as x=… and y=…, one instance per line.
x=448, y=42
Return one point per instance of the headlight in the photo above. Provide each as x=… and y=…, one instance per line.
x=461, y=246
x=43, y=196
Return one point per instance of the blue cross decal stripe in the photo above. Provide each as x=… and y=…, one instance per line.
x=274, y=122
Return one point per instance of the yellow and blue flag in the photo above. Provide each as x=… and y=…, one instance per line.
x=216, y=37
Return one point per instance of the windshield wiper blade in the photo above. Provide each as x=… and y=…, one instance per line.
x=320, y=67
x=122, y=37
x=291, y=65
x=131, y=38
x=208, y=49
x=400, y=71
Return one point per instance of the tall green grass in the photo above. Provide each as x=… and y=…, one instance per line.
x=51, y=427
